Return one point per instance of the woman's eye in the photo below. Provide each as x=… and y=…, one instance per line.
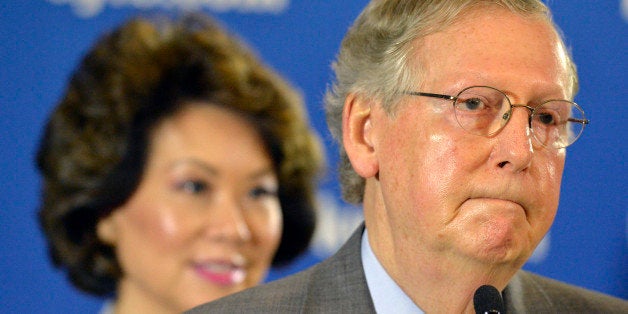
x=193, y=187
x=260, y=192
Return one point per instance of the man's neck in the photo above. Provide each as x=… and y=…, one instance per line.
x=387, y=296
x=442, y=286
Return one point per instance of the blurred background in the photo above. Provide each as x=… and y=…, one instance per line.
x=42, y=41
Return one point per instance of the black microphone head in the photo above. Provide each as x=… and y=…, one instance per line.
x=488, y=300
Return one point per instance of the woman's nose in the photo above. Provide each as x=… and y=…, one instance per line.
x=228, y=222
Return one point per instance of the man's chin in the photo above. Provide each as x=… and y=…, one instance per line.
x=500, y=254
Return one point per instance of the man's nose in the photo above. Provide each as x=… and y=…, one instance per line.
x=514, y=149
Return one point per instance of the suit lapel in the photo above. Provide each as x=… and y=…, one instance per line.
x=522, y=295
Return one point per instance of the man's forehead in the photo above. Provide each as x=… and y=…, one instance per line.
x=479, y=41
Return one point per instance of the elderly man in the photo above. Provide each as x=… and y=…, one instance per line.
x=454, y=117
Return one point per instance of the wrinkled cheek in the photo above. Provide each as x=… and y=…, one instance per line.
x=554, y=171
x=550, y=192
x=445, y=174
x=557, y=164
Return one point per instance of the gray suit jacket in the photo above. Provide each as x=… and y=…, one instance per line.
x=338, y=285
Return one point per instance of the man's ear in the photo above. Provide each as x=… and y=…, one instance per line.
x=358, y=135
x=107, y=229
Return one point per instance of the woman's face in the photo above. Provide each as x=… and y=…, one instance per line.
x=205, y=220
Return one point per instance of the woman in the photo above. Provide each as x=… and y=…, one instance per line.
x=176, y=169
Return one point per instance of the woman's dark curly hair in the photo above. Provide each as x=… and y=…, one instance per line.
x=94, y=148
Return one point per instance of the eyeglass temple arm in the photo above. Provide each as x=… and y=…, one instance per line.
x=431, y=95
x=583, y=121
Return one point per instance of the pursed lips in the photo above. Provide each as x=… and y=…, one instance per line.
x=502, y=199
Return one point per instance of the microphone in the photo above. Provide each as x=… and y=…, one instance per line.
x=488, y=300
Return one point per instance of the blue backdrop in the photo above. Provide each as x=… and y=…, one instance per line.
x=41, y=42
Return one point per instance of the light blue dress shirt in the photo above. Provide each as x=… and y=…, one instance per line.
x=386, y=294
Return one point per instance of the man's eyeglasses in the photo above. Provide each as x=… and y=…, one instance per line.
x=484, y=110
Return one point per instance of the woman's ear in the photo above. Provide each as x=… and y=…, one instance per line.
x=358, y=135
x=107, y=229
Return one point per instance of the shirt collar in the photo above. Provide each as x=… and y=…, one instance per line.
x=387, y=296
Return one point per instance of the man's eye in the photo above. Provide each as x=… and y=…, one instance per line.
x=546, y=119
x=472, y=104
x=193, y=187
